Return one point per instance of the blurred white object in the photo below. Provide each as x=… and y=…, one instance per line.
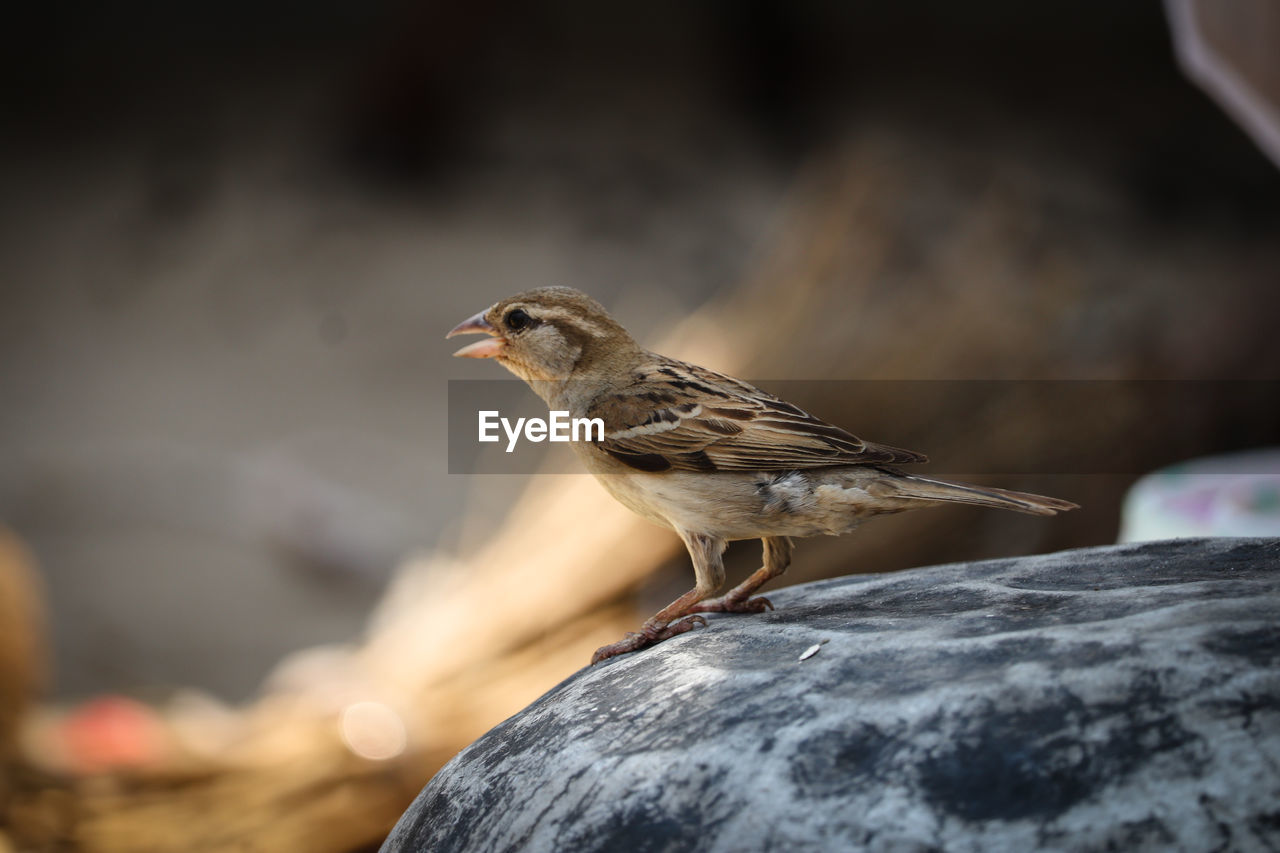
x=1235, y=495
x=1231, y=49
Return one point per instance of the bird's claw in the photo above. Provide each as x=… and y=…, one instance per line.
x=647, y=636
x=734, y=604
x=679, y=626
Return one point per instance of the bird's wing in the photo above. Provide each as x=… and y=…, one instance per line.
x=677, y=416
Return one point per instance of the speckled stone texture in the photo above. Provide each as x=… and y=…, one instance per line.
x=1118, y=698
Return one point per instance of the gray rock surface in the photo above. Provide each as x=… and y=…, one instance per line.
x=1118, y=698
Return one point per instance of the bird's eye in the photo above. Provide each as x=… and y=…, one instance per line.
x=517, y=319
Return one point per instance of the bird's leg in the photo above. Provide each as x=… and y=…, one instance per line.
x=777, y=556
x=708, y=572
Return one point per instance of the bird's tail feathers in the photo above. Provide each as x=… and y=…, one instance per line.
x=923, y=488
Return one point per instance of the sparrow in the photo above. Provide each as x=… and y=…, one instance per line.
x=708, y=456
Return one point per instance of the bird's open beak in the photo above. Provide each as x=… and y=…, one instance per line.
x=480, y=349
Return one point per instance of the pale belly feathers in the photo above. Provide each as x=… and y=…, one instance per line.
x=746, y=505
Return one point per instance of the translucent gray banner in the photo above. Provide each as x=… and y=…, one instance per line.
x=966, y=427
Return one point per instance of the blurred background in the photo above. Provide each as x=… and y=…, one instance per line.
x=232, y=238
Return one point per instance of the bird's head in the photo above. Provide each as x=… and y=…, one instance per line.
x=547, y=334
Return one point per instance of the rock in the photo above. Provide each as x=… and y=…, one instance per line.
x=1117, y=698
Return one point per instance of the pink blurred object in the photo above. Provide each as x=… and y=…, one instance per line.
x=111, y=733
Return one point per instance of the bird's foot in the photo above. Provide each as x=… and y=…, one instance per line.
x=646, y=636
x=730, y=603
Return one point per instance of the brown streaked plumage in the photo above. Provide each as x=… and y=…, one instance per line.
x=679, y=416
x=709, y=456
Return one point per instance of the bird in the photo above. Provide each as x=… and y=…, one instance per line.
x=711, y=457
